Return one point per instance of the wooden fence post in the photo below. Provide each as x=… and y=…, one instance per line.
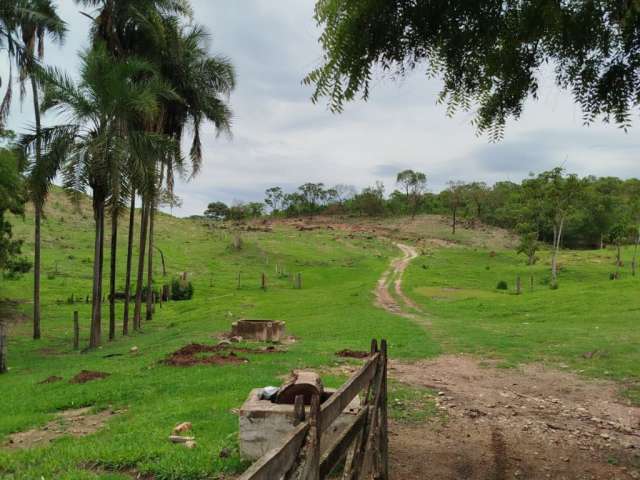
x=531, y=280
x=76, y=331
x=384, y=437
x=298, y=281
x=298, y=409
x=311, y=469
x=238, y=280
x=518, y=285
x=263, y=281
x=3, y=347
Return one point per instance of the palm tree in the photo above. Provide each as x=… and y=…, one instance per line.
x=44, y=21
x=112, y=97
x=120, y=25
x=203, y=84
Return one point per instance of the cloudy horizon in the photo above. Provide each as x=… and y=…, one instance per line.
x=281, y=138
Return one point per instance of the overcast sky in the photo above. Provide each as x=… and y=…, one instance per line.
x=281, y=138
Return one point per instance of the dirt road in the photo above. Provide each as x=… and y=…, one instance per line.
x=526, y=423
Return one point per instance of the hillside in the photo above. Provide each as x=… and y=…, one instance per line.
x=441, y=298
x=331, y=312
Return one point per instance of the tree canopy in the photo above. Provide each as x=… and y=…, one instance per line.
x=487, y=53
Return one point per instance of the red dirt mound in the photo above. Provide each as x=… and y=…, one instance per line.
x=352, y=354
x=51, y=379
x=87, y=375
x=191, y=354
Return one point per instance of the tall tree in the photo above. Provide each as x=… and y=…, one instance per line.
x=42, y=22
x=487, y=53
x=561, y=195
x=12, y=199
x=203, y=84
x=105, y=107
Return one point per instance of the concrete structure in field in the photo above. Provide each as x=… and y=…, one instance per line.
x=264, y=424
x=260, y=330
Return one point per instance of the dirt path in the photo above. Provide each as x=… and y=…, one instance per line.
x=393, y=278
x=526, y=423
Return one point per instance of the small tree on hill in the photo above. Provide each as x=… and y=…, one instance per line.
x=414, y=185
x=529, y=246
x=562, y=194
x=274, y=198
x=217, y=211
x=454, y=197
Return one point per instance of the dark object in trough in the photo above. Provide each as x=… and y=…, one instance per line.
x=261, y=330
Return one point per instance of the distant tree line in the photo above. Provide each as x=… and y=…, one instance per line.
x=553, y=207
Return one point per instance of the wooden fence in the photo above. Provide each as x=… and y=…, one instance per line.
x=362, y=446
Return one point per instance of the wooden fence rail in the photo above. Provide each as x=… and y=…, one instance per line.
x=362, y=446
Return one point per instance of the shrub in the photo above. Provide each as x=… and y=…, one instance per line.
x=502, y=285
x=181, y=289
x=16, y=268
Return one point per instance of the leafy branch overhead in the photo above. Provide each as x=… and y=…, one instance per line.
x=488, y=54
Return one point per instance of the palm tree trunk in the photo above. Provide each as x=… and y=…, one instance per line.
x=38, y=220
x=94, y=338
x=112, y=274
x=140, y=278
x=153, y=205
x=127, y=287
x=36, y=273
x=100, y=294
x=152, y=210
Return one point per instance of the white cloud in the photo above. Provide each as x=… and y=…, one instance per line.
x=281, y=138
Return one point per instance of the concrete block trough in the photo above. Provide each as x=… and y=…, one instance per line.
x=264, y=424
x=259, y=330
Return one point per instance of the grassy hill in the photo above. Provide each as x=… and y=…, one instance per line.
x=333, y=311
x=587, y=325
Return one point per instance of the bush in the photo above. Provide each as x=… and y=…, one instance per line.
x=181, y=289
x=502, y=285
x=16, y=268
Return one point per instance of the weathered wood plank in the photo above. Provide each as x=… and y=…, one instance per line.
x=333, y=407
x=339, y=448
x=275, y=463
x=384, y=427
x=311, y=469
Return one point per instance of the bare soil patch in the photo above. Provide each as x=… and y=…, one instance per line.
x=196, y=354
x=352, y=354
x=529, y=423
x=77, y=423
x=87, y=376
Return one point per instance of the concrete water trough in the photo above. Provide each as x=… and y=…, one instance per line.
x=260, y=330
x=264, y=424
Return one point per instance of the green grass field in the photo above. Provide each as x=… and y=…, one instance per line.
x=334, y=310
x=589, y=324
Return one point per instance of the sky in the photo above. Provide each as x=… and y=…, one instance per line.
x=281, y=138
